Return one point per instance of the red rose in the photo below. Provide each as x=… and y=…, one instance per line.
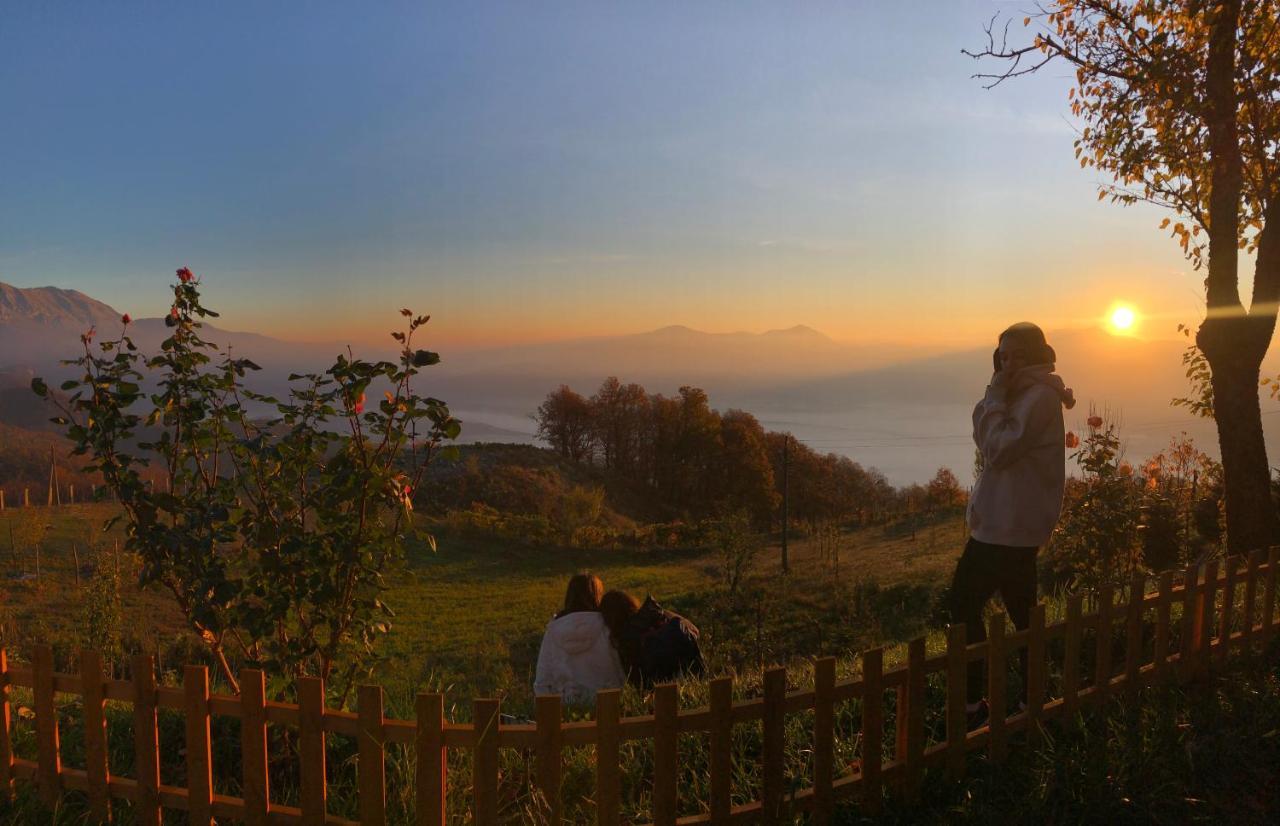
x=173, y=312
x=185, y=275
x=125, y=319
x=359, y=405
x=1073, y=441
x=1095, y=421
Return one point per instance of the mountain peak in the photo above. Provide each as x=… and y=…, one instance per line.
x=52, y=306
x=799, y=331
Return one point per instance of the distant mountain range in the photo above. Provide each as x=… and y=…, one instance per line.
x=903, y=409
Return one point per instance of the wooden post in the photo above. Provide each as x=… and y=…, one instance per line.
x=253, y=746
x=1, y=499
x=775, y=696
x=872, y=729
x=1269, y=594
x=550, y=740
x=49, y=766
x=312, y=788
x=371, y=768
x=1071, y=654
x=824, y=720
x=484, y=777
x=1036, y=669
x=1190, y=642
x=1208, y=595
x=957, y=718
x=1231, y=563
x=199, y=757
x=6, y=732
x=146, y=741
x=26, y=497
x=1251, y=597
x=666, y=725
x=996, y=684
x=1133, y=634
x=915, y=711
x=1102, y=675
x=1161, y=655
x=71, y=493
x=432, y=774
x=608, y=775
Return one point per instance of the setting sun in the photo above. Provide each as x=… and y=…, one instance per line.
x=1122, y=319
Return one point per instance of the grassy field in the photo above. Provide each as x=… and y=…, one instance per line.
x=471, y=615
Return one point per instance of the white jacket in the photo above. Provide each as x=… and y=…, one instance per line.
x=577, y=659
x=1017, y=499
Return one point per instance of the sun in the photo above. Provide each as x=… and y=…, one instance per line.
x=1122, y=319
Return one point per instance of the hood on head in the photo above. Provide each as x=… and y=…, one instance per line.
x=1043, y=374
x=576, y=633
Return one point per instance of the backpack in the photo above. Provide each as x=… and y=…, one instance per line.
x=665, y=644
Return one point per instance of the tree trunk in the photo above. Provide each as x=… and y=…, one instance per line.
x=1234, y=341
x=1235, y=358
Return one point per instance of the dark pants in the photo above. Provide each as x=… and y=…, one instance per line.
x=983, y=571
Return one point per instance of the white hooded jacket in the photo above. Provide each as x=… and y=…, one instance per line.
x=577, y=659
x=1019, y=431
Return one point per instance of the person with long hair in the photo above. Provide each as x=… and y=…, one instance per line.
x=1017, y=497
x=654, y=644
x=576, y=658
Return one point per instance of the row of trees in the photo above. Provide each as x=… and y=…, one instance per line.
x=699, y=462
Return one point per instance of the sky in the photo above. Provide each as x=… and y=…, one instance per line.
x=528, y=172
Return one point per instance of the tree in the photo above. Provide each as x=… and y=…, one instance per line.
x=564, y=422
x=1180, y=105
x=276, y=539
x=618, y=414
x=745, y=476
x=943, y=490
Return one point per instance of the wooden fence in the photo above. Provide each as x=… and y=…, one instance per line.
x=1224, y=605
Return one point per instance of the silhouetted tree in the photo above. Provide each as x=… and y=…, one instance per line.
x=564, y=422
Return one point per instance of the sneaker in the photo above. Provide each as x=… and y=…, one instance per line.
x=979, y=716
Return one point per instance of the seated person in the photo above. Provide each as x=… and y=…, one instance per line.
x=576, y=658
x=655, y=645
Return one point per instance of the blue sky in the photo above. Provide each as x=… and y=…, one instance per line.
x=533, y=171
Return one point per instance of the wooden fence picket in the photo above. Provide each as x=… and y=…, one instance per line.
x=195, y=685
x=824, y=686
x=1160, y=656
x=1251, y=596
x=1231, y=564
x=484, y=777
x=49, y=772
x=1269, y=593
x=432, y=771
x=1133, y=634
x=666, y=763
x=97, y=769
x=872, y=729
x=371, y=763
x=957, y=687
x=774, y=748
x=1102, y=670
x=1036, y=669
x=6, y=731
x=1206, y=597
x=547, y=715
x=608, y=759
x=253, y=746
x=146, y=741
x=914, y=712
x=1191, y=609
x=997, y=682
x=1071, y=654
x=312, y=787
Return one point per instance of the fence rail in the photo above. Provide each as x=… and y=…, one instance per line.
x=1223, y=607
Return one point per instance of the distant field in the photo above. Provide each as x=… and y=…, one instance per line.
x=471, y=616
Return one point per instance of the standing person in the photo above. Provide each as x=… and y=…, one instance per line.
x=577, y=658
x=1017, y=497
